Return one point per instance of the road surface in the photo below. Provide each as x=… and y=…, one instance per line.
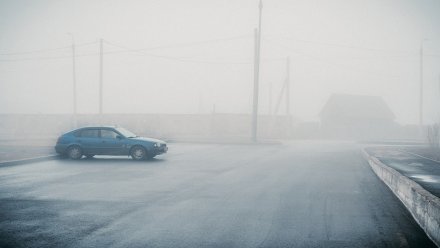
x=296, y=194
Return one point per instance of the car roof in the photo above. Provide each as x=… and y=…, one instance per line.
x=96, y=127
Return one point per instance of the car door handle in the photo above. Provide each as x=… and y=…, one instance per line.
x=103, y=141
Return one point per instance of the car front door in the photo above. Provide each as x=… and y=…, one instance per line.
x=111, y=143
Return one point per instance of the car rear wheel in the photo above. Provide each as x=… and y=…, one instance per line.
x=74, y=152
x=138, y=153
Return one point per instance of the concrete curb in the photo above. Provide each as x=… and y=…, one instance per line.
x=28, y=160
x=423, y=206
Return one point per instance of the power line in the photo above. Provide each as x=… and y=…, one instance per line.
x=188, y=44
x=48, y=58
x=337, y=65
x=342, y=45
x=36, y=51
x=180, y=59
x=47, y=49
x=138, y=51
x=37, y=58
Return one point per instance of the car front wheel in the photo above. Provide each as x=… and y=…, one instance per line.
x=74, y=152
x=138, y=153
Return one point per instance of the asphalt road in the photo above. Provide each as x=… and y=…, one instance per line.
x=299, y=194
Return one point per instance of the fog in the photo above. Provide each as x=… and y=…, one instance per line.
x=196, y=57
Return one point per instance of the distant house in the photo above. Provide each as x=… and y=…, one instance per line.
x=357, y=116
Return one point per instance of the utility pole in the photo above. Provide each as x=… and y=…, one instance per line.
x=270, y=99
x=100, y=77
x=421, y=88
x=256, y=74
x=75, y=120
x=280, y=97
x=289, y=119
x=200, y=103
x=285, y=88
x=288, y=86
x=421, y=84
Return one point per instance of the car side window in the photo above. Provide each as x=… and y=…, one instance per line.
x=89, y=133
x=108, y=134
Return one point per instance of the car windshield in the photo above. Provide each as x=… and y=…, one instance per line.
x=126, y=133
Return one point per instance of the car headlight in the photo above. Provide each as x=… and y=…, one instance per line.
x=157, y=145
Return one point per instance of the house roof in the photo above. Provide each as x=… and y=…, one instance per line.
x=356, y=107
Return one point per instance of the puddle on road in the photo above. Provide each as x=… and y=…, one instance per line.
x=415, y=164
x=405, y=168
x=426, y=178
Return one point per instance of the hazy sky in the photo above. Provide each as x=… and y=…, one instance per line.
x=172, y=56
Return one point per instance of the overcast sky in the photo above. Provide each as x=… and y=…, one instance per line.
x=174, y=56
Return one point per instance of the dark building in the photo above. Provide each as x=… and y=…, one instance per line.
x=357, y=117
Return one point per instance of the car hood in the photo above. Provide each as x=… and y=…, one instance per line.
x=148, y=139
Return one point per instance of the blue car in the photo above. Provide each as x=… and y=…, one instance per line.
x=91, y=141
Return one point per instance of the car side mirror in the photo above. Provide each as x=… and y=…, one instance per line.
x=119, y=137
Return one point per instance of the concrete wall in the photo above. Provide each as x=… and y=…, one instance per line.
x=164, y=126
x=424, y=207
x=183, y=126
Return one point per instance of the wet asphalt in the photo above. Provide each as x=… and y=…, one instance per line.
x=295, y=194
x=424, y=171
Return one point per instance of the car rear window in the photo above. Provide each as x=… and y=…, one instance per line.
x=89, y=133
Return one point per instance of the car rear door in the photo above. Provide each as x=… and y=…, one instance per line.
x=89, y=140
